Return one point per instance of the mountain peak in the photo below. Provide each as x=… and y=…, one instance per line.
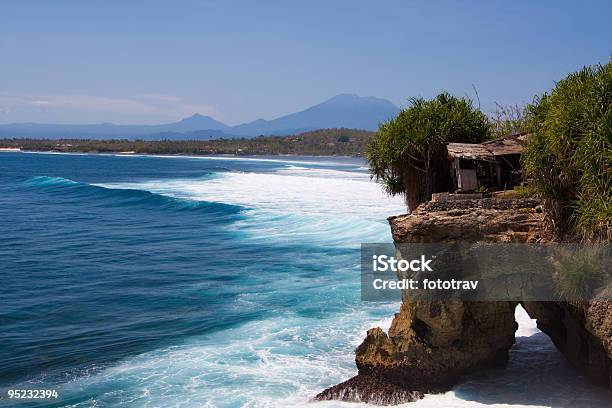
x=195, y=116
x=344, y=110
x=345, y=96
x=197, y=121
x=348, y=100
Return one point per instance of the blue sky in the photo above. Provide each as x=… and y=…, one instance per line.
x=158, y=61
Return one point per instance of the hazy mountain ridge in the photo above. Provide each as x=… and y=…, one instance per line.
x=344, y=110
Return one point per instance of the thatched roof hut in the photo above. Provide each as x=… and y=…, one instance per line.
x=469, y=151
x=494, y=164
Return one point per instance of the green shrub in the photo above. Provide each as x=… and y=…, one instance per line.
x=577, y=276
x=407, y=155
x=524, y=191
x=569, y=156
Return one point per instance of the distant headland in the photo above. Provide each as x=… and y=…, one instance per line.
x=324, y=142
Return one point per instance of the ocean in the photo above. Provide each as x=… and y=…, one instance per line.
x=176, y=281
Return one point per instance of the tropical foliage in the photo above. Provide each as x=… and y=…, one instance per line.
x=328, y=142
x=407, y=155
x=569, y=155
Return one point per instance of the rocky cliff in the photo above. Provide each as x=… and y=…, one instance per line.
x=430, y=344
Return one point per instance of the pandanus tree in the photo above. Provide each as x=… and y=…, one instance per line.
x=569, y=155
x=408, y=154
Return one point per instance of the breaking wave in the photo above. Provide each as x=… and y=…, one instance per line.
x=238, y=288
x=104, y=196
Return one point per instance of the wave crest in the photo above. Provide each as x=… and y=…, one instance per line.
x=117, y=197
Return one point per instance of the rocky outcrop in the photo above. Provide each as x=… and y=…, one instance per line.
x=430, y=344
x=489, y=220
x=582, y=332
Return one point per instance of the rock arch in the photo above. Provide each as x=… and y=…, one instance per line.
x=431, y=343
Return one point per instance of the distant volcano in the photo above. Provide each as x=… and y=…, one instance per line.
x=344, y=110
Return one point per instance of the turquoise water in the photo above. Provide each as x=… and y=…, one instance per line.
x=139, y=281
x=156, y=281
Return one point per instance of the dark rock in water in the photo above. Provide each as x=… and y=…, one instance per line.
x=370, y=389
x=582, y=332
x=431, y=343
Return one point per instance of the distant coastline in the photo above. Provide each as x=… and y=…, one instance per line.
x=271, y=157
x=325, y=142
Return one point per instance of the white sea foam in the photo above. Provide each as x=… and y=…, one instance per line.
x=537, y=375
x=296, y=204
x=285, y=361
x=278, y=362
x=310, y=192
x=325, y=173
x=279, y=159
x=527, y=325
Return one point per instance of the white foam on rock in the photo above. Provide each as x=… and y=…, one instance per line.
x=285, y=361
x=537, y=375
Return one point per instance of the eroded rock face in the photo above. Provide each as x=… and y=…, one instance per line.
x=431, y=343
x=488, y=220
x=582, y=332
x=371, y=389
